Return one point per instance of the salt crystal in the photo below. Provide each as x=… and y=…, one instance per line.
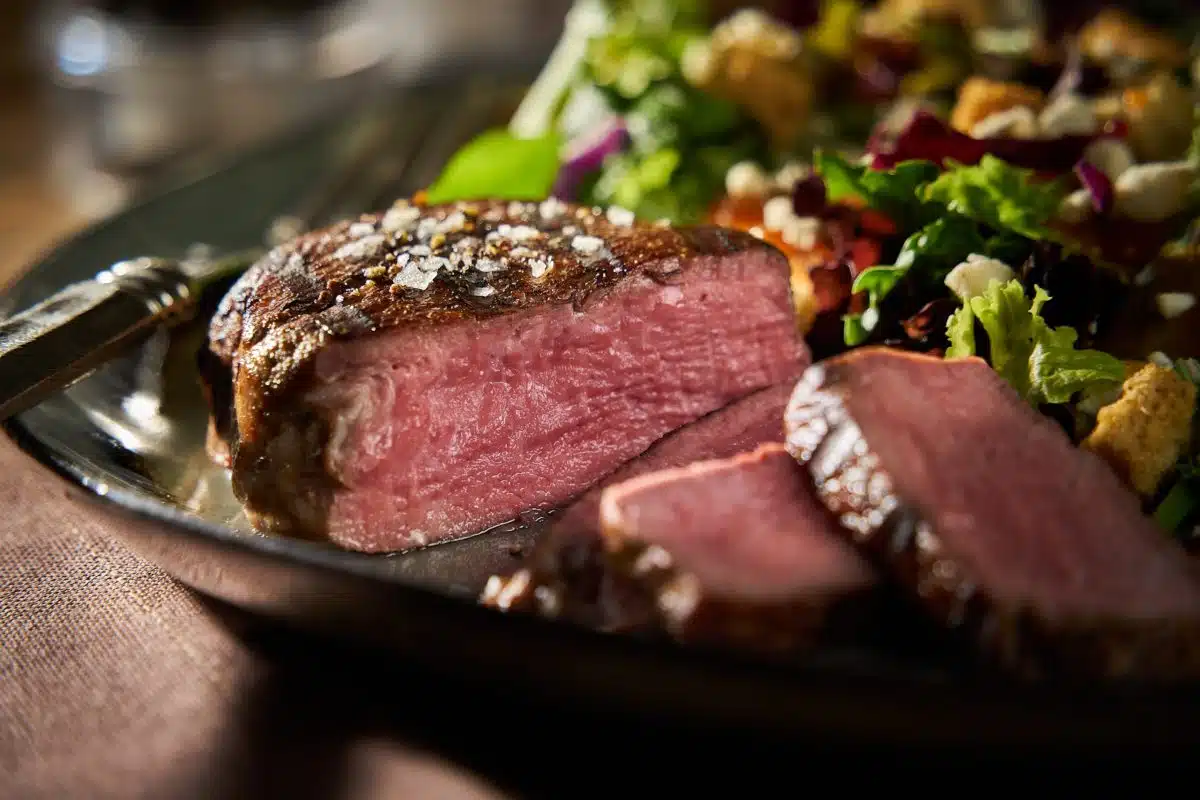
x=360, y=248
x=400, y=218
x=483, y=291
x=622, y=217
x=551, y=208
x=490, y=265
x=360, y=229
x=588, y=245
x=539, y=267
x=433, y=264
x=413, y=277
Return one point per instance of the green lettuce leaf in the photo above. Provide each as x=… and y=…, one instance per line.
x=498, y=164
x=928, y=255
x=960, y=330
x=1039, y=362
x=999, y=195
x=893, y=192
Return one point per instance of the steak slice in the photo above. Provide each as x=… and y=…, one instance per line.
x=430, y=372
x=567, y=575
x=984, y=510
x=736, y=551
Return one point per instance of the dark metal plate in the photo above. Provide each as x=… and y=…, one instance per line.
x=130, y=439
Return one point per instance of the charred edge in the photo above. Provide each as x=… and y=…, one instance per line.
x=289, y=451
x=898, y=537
x=216, y=382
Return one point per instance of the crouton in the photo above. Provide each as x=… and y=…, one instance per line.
x=1160, y=118
x=1145, y=431
x=979, y=98
x=1114, y=33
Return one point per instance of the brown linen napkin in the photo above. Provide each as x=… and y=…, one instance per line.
x=116, y=681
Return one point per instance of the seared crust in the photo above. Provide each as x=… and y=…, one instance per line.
x=413, y=265
x=494, y=258
x=853, y=484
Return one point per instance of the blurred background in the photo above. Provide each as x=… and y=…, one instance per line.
x=99, y=100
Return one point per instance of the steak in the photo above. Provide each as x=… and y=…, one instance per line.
x=567, y=575
x=736, y=551
x=983, y=509
x=429, y=372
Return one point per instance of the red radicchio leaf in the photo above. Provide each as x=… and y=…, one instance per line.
x=808, y=196
x=587, y=156
x=1098, y=185
x=928, y=138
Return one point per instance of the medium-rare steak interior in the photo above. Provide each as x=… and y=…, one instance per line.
x=428, y=372
x=567, y=576
x=736, y=550
x=984, y=510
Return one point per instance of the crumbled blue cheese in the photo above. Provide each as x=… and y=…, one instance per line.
x=776, y=213
x=972, y=277
x=1173, y=304
x=1067, y=115
x=1154, y=192
x=746, y=179
x=1018, y=122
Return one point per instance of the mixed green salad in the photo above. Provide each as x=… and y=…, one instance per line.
x=1043, y=214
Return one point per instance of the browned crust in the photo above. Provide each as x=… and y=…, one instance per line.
x=328, y=284
x=615, y=583
x=896, y=536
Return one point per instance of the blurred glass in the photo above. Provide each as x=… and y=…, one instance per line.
x=138, y=86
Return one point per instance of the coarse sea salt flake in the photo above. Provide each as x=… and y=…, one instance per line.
x=360, y=229
x=551, y=208
x=365, y=247
x=483, y=291
x=490, y=265
x=539, y=267
x=433, y=263
x=400, y=218
x=621, y=217
x=413, y=277
x=520, y=233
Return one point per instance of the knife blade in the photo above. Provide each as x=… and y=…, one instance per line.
x=51, y=345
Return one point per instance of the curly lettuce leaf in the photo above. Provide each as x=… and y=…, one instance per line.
x=1039, y=362
x=999, y=195
x=929, y=255
x=498, y=164
x=893, y=192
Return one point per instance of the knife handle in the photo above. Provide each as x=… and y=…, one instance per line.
x=48, y=347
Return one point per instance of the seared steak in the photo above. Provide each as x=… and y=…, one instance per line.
x=567, y=577
x=427, y=373
x=983, y=509
x=736, y=551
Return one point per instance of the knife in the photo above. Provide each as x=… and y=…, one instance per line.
x=53, y=344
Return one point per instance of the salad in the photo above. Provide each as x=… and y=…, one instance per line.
x=943, y=179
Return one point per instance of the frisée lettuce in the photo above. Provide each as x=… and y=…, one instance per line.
x=1039, y=362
